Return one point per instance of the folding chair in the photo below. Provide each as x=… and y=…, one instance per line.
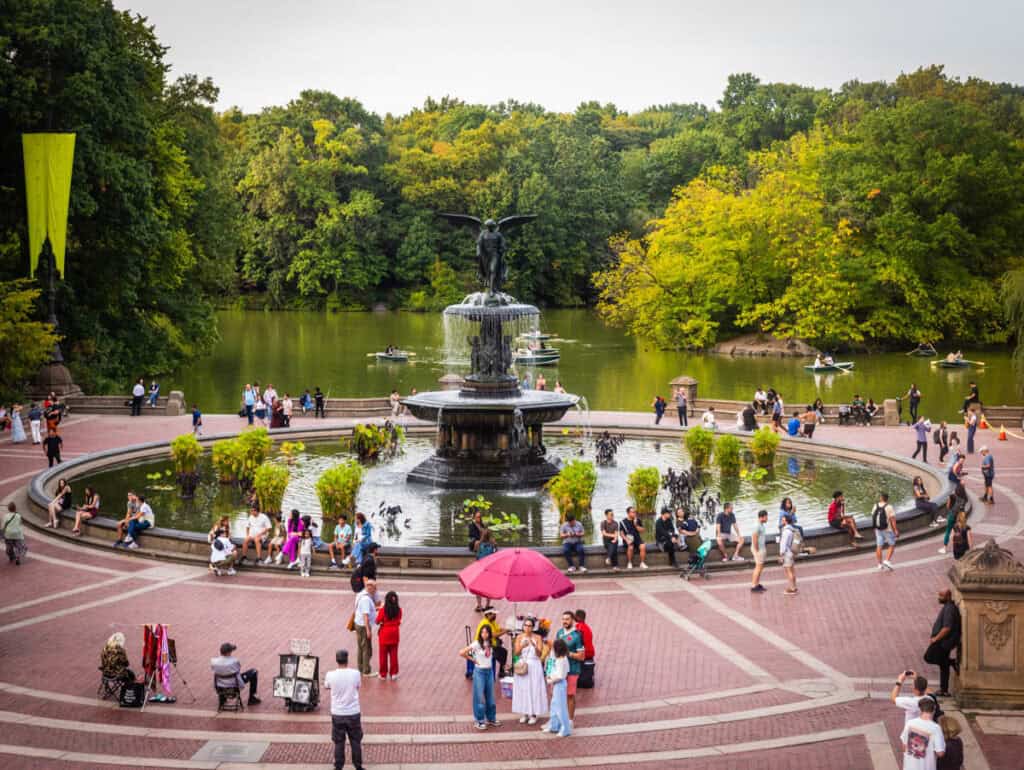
x=228, y=698
x=109, y=688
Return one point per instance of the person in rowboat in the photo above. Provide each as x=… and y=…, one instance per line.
x=829, y=361
x=817, y=362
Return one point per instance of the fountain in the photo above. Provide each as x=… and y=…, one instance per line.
x=490, y=433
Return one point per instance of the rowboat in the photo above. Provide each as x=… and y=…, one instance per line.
x=838, y=366
x=924, y=351
x=958, y=364
x=394, y=355
x=540, y=357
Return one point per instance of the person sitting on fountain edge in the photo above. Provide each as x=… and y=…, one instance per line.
x=571, y=533
x=665, y=535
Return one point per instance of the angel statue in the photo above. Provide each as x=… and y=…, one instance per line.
x=490, y=245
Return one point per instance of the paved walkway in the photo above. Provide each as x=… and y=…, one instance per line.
x=694, y=675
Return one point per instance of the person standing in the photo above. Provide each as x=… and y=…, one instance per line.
x=787, y=556
x=727, y=530
x=558, y=678
x=364, y=620
x=571, y=534
x=988, y=474
x=319, y=402
x=953, y=759
x=51, y=446
x=17, y=426
x=35, y=418
x=944, y=640
x=14, y=537
x=955, y=475
x=962, y=537
x=922, y=739
x=913, y=396
x=249, y=402
x=777, y=407
x=883, y=519
x=529, y=695
x=389, y=618
x=749, y=416
x=287, y=407
x=480, y=654
x=573, y=639
x=346, y=720
x=633, y=533
x=610, y=537
x=923, y=429
x=542, y=384
x=138, y=393
x=943, y=440
x=197, y=421
x=759, y=548
x=681, y=406
x=659, y=409
x=972, y=428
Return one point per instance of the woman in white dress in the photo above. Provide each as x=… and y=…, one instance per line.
x=529, y=692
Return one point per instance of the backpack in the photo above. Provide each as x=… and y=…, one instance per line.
x=938, y=709
x=936, y=437
x=356, y=581
x=879, y=518
x=486, y=549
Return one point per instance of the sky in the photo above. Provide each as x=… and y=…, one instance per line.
x=393, y=54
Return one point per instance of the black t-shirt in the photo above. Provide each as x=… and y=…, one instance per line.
x=629, y=528
x=948, y=617
x=52, y=444
x=725, y=522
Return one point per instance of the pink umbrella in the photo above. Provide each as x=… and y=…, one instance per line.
x=516, y=574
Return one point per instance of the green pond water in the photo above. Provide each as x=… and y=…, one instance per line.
x=432, y=516
x=298, y=350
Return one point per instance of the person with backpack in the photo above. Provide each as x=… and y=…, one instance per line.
x=944, y=640
x=14, y=536
x=883, y=519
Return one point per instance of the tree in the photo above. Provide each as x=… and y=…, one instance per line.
x=25, y=345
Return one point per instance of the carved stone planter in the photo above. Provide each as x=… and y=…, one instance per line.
x=988, y=587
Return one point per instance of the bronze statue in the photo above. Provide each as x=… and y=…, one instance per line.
x=490, y=245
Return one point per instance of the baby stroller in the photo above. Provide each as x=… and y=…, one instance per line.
x=696, y=564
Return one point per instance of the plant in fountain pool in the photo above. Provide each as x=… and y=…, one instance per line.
x=338, y=488
x=727, y=455
x=699, y=445
x=643, y=486
x=374, y=442
x=255, y=447
x=291, y=450
x=764, y=444
x=228, y=458
x=269, y=482
x=186, y=452
x=504, y=526
x=572, y=488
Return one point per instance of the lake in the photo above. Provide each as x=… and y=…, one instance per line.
x=298, y=350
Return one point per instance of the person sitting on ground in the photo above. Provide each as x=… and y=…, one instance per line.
x=793, y=426
x=90, y=509
x=727, y=530
x=227, y=673
x=114, y=663
x=223, y=523
x=571, y=533
x=838, y=518
x=808, y=421
x=222, y=554
x=61, y=501
x=708, y=419
x=750, y=417
x=665, y=535
x=340, y=544
x=633, y=533
x=143, y=520
x=257, y=530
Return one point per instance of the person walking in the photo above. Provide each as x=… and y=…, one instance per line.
x=923, y=429
x=988, y=474
x=481, y=654
x=138, y=393
x=558, y=677
x=944, y=640
x=571, y=533
x=659, y=409
x=943, y=440
x=787, y=556
x=972, y=428
x=759, y=549
x=956, y=475
x=14, y=536
x=681, y=405
x=364, y=620
x=389, y=618
x=610, y=537
x=197, y=421
x=346, y=720
x=51, y=447
x=529, y=695
x=913, y=396
x=883, y=519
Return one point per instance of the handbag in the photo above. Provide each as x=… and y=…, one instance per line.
x=351, y=625
x=521, y=668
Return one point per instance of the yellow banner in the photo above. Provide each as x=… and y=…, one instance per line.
x=48, y=164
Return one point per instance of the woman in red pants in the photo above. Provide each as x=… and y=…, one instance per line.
x=389, y=618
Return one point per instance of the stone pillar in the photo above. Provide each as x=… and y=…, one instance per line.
x=689, y=386
x=176, y=403
x=890, y=413
x=988, y=587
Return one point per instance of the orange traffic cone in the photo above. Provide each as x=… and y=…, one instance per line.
x=982, y=424
x=1002, y=433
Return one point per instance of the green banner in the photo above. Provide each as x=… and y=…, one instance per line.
x=48, y=165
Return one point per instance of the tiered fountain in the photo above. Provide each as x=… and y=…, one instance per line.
x=490, y=434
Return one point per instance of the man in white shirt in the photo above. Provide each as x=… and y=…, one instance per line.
x=142, y=521
x=922, y=739
x=138, y=393
x=365, y=620
x=909, y=703
x=257, y=530
x=709, y=419
x=346, y=720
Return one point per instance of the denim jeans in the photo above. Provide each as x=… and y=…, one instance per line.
x=611, y=550
x=136, y=528
x=570, y=550
x=249, y=412
x=484, y=708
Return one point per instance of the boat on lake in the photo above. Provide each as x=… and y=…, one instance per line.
x=924, y=351
x=958, y=363
x=393, y=355
x=536, y=357
x=835, y=366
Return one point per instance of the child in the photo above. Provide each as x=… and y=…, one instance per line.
x=306, y=552
x=14, y=538
x=197, y=421
x=342, y=542
x=222, y=554
x=318, y=544
x=558, y=679
x=276, y=540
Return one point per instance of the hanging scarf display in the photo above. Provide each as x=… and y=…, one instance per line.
x=156, y=659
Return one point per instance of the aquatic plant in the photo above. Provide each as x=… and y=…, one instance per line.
x=270, y=482
x=643, y=486
x=763, y=445
x=727, y=455
x=699, y=445
x=338, y=488
x=573, y=488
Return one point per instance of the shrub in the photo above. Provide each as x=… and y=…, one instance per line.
x=727, y=455
x=291, y=449
x=185, y=452
x=643, y=486
x=270, y=482
x=763, y=445
x=228, y=460
x=338, y=488
x=504, y=526
x=699, y=444
x=254, y=447
x=572, y=489
x=374, y=442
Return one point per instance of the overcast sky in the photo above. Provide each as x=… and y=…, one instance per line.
x=392, y=54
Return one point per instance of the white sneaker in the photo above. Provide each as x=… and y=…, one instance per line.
x=571, y=570
x=231, y=571
x=531, y=721
x=629, y=565
x=583, y=569
x=133, y=545
x=216, y=572
x=738, y=558
x=942, y=550
x=643, y=565
x=294, y=564
x=522, y=719
x=394, y=677
x=278, y=558
x=607, y=562
x=887, y=564
x=940, y=519
x=267, y=560
x=934, y=523
x=880, y=568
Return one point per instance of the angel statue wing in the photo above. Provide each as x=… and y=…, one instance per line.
x=460, y=219
x=514, y=221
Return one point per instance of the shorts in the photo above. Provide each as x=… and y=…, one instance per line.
x=884, y=537
x=788, y=559
x=835, y=523
x=570, y=684
x=759, y=557
x=729, y=537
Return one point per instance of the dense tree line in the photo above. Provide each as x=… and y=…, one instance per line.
x=880, y=212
